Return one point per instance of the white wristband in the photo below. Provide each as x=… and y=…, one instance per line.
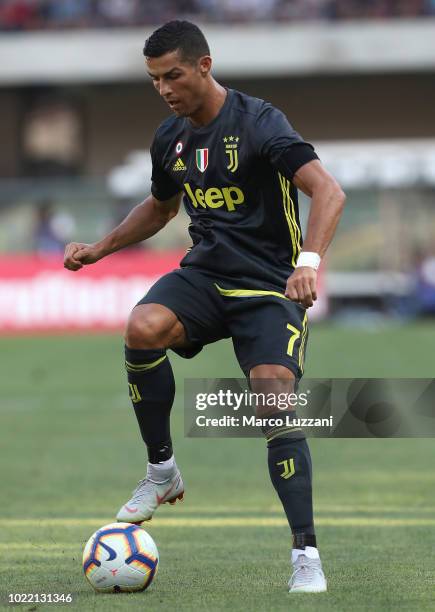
x=308, y=259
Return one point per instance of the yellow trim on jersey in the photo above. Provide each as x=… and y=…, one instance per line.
x=293, y=217
x=290, y=213
x=248, y=292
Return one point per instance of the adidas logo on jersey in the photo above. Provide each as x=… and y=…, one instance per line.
x=179, y=165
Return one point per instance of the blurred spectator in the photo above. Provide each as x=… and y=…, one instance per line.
x=118, y=12
x=49, y=14
x=248, y=10
x=288, y=10
x=425, y=289
x=419, y=300
x=69, y=13
x=18, y=14
x=52, y=230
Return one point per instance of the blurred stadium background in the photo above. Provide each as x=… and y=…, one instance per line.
x=77, y=116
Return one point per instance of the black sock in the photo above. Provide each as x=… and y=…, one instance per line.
x=152, y=390
x=290, y=471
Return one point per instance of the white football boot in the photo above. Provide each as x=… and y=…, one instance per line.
x=148, y=496
x=308, y=576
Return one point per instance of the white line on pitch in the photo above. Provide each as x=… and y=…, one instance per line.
x=222, y=522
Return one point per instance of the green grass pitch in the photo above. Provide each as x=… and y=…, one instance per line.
x=71, y=453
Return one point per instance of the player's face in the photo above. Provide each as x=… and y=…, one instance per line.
x=181, y=84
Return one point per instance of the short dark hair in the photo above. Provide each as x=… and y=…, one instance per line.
x=178, y=35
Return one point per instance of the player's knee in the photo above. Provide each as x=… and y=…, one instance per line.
x=271, y=380
x=271, y=372
x=147, y=328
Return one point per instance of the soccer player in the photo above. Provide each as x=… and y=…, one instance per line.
x=237, y=163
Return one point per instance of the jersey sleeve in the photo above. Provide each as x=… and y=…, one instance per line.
x=163, y=187
x=278, y=142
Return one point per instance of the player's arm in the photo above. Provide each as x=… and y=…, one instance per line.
x=327, y=201
x=145, y=220
x=277, y=141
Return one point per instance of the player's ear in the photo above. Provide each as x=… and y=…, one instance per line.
x=205, y=65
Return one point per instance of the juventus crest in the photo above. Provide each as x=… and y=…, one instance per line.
x=231, y=149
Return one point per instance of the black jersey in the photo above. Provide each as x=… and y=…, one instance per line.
x=236, y=176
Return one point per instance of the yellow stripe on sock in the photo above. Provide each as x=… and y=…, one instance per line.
x=142, y=367
x=279, y=431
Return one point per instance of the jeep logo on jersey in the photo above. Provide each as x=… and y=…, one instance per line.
x=202, y=159
x=214, y=197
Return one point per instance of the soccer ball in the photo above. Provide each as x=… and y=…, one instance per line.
x=120, y=557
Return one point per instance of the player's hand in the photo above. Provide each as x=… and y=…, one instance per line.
x=78, y=254
x=301, y=286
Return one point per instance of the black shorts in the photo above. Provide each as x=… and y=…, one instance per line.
x=265, y=326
